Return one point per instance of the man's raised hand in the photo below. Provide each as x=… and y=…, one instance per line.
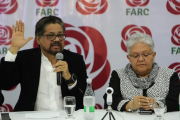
x=18, y=40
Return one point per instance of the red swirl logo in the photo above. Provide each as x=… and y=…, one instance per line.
x=8, y=6
x=176, y=67
x=87, y=7
x=131, y=29
x=5, y=35
x=176, y=35
x=89, y=42
x=44, y=3
x=135, y=3
x=6, y=108
x=98, y=106
x=173, y=6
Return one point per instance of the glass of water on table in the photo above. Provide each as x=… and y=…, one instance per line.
x=159, y=108
x=69, y=106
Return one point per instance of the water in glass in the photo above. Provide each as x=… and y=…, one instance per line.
x=69, y=106
x=159, y=108
x=69, y=109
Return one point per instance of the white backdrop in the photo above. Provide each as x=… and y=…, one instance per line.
x=97, y=29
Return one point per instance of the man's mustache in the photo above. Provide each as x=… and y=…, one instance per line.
x=56, y=43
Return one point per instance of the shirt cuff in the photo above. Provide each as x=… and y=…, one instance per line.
x=72, y=86
x=10, y=57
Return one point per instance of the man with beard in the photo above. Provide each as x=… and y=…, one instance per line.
x=36, y=69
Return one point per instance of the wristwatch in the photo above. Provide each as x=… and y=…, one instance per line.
x=72, y=79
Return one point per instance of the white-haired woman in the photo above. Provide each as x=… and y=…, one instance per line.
x=142, y=79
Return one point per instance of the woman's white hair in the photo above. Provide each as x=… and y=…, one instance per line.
x=137, y=38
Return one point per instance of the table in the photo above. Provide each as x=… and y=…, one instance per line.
x=98, y=115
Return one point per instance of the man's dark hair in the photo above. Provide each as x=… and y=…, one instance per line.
x=43, y=22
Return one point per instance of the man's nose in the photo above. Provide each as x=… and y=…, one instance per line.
x=56, y=38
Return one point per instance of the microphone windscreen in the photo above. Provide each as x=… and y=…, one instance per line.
x=59, y=56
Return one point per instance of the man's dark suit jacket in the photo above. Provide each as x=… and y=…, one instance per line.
x=26, y=71
x=1, y=98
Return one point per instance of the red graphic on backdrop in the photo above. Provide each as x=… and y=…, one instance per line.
x=131, y=29
x=35, y=45
x=176, y=67
x=173, y=6
x=6, y=108
x=135, y=3
x=8, y=6
x=89, y=42
x=5, y=35
x=176, y=35
x=87, y=7
x=44, y=3
x=98, y=106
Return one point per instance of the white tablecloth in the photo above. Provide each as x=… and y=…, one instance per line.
x=98, y=115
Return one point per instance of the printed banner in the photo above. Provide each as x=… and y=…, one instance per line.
x=98, y=30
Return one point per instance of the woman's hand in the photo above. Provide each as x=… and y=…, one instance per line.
x=151, y=102
x=144, y=102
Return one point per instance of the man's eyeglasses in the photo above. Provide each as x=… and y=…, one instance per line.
x=144, y=55
x=53, y=37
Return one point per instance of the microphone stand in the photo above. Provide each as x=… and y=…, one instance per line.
x=110, y=113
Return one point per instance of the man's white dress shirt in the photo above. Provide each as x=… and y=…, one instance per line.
x=49, y=96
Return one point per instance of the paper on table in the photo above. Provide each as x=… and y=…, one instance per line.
x=42, y=115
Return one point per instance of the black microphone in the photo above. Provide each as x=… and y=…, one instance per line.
x=59, y=56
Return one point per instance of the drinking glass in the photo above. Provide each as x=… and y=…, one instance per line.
x=159, y=108
x=69, y=106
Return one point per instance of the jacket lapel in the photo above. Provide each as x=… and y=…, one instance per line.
x=35, y=69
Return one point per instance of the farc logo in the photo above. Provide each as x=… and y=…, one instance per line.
x=44, y=3
x=135, y=3
x=89, y=42
x=129, y=30
x=5, y=35
x=137, y=9
x=47, y=7
x=176, y=35
x=173, y=6
x=87, y=7
x=175, y=39
x=6, y=108
x=8, y=6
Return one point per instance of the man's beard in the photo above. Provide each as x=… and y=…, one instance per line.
x=49, y=51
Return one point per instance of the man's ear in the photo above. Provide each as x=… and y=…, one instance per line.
x=38, y=40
